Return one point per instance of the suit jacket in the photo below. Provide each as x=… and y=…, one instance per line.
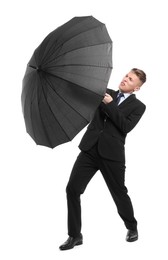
x=110, y=125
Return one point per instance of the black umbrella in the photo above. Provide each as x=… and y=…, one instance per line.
x=65, y=80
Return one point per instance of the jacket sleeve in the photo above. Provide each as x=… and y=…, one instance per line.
x=124, y=123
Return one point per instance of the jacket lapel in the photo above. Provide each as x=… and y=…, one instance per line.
x=128, y=100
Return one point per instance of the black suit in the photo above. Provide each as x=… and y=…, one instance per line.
x=102, y=148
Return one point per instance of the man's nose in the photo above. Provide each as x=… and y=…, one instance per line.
x=125, y=79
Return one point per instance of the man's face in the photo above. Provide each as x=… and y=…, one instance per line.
x=130, y=83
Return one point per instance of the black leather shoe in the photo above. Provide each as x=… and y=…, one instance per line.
x=132, y=235
x=71, y=242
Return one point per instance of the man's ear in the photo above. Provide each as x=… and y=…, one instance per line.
x=137, y=88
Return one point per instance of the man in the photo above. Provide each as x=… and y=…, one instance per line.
x=102, y=148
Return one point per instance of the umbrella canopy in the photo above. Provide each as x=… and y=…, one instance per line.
x=65, y=80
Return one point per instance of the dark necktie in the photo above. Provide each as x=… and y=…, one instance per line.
x=119, y=96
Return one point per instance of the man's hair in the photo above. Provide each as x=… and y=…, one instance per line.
x=140, y=74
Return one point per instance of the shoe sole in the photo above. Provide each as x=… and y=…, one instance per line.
x=68, y=248
x=132, y=240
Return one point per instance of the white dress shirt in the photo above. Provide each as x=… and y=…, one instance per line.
x=126, y=95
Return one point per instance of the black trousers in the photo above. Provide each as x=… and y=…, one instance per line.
x=86, y=165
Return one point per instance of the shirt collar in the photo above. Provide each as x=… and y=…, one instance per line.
x=126, y=95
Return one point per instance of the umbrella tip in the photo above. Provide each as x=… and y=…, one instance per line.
x=38, y=68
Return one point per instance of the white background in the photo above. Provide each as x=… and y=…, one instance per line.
x=33, y=178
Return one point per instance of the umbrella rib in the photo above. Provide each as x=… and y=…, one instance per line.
x=75, y=50
x=64, y=99
x=30, y=112
x=76, y=84
x=65, y=102
x=87, y=30
x=42, y=120
x=80, y=85
x=78, y=75
x=79, y=65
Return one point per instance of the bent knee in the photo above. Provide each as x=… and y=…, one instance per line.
x=73, y=189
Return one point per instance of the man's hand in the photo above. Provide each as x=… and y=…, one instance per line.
x=107, y=99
